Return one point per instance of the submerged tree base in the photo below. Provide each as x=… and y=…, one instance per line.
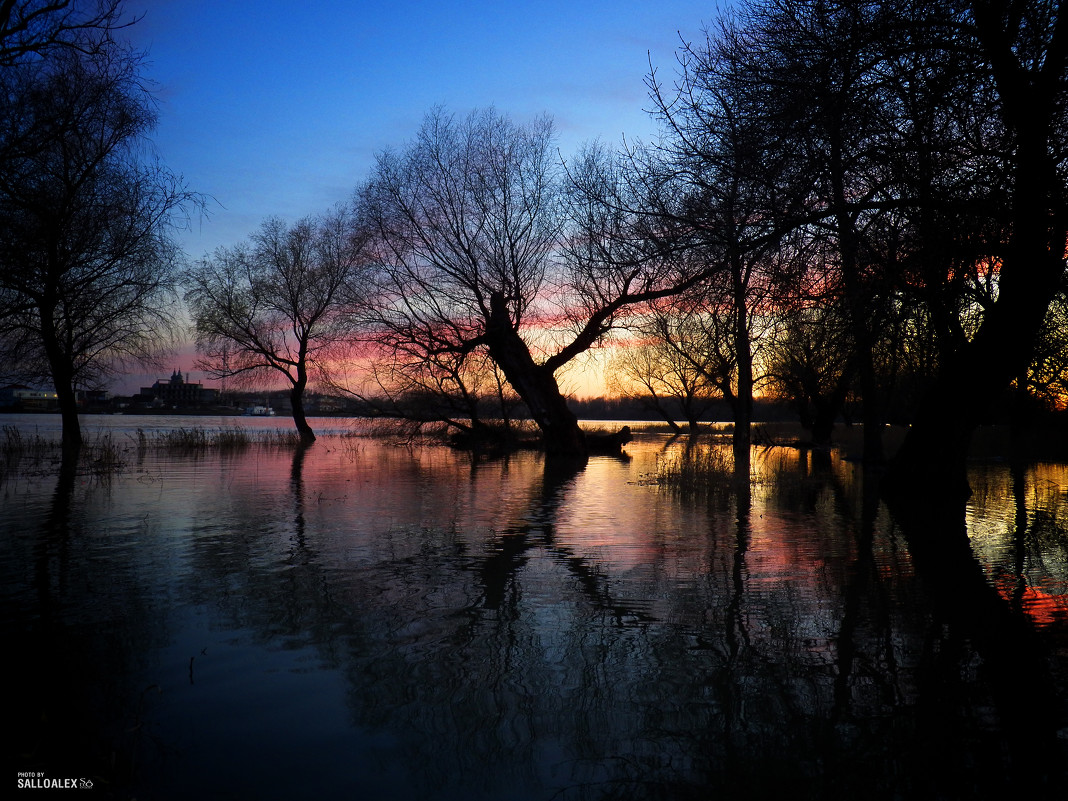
x=609, y=444
x=488, y=439
x=493, y=439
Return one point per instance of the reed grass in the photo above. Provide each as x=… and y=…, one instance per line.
x=199, y=439
x=697, y=470
x=193, y=440
x=15, y=444
x=103, y=456
x=22, y=453
x=31, y=453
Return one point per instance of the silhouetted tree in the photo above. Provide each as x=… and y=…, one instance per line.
x=713, y=182
x=809, y=365
x=668, y=366
x=87, y=259
x=820, y=64
x=407, y=380
x=1023, y=48
x=279, y=304
x=480, y=249
x=923, y=145
x=34, y=29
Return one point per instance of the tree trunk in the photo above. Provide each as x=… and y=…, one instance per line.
x=676, y=429
x=858, y=307
x=658, y=407
x=561, y=434
x=296, y=401
x=932, y=460
x=743, y=396
x=872, y=406
x=742, y=402
x=823, y=424
x=63, y=381
x=825, y=409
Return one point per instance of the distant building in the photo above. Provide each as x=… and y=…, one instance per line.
x=179, y=391
x=93, y=397
x=19, y=396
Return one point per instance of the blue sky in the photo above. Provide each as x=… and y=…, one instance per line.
x=277, y=108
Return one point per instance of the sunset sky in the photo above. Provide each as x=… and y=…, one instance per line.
x=277, y=108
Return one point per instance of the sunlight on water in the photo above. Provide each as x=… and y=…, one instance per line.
x=367, y=619
x=1018, y=525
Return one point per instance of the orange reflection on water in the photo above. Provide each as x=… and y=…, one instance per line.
x=1044, y=608
x=1018, y=526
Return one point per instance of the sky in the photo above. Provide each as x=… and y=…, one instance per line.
x=275, y=108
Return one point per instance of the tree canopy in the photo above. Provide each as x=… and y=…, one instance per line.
x=87, y=256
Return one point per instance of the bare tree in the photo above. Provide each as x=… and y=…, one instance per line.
x=1020, y=49
x=668, y=366
x=830, y=106
x=809, y=365
x=37, y=28
x=279, y=304
x=924, y=146
x=714, y=181
x=87, y=258
x=481, y=251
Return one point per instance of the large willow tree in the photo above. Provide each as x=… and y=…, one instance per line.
x=484, y=245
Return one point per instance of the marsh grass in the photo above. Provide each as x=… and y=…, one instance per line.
x=192, y=440
x=14, y=444
x=708, y=470
x=222, y=440
x=350, y=442
x=33, y=454
x=702, y=469
x=103, y=456
x=23, y=453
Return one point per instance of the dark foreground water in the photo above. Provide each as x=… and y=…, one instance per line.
x=370, y=621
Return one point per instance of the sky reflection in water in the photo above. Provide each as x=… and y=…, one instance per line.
x=375, y=621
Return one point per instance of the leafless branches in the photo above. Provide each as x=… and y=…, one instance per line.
x=281, y=303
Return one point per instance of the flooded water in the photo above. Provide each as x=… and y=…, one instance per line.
x=370, y=620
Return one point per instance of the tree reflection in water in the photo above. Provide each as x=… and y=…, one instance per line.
x=526, y=629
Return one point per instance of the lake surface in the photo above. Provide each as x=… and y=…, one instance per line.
x=367, y=619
